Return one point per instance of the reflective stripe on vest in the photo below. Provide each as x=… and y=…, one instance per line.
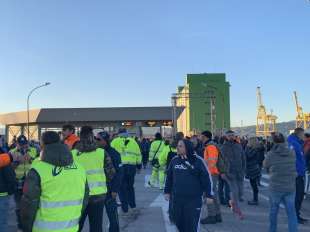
x=93, y=185
x=212, y=153
x=3, y=194
x=59, y=212
x=93, y=163
x=95, y=171
x=59, y=225
x=23, y=168
x=58, y=204
x=129, y=150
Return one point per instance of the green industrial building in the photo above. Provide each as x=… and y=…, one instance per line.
x=206, y=101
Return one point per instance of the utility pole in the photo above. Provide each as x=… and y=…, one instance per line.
x=174, y=113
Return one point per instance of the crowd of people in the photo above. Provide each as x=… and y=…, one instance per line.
x=64, y=179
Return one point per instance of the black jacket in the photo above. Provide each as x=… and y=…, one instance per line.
x=114, y=185
x=188, y=180
x=7, y=180
x=252, y=162
x=57, y=155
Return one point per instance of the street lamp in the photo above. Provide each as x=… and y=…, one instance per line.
x=29, y=95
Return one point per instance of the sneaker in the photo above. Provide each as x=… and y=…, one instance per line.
x=208, y=221
x=301, y=220
x=134, y=211
x=124, y=214
x=151, y=185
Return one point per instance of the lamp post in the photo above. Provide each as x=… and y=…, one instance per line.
x=29, y=95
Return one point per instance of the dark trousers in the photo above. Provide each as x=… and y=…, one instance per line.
x=254, y=185
x=94, y=211
x=17, y=197
x=127, y=191
x=186, y=213
x=111, y=209
x=224, y=191
x=300, y=193
x=145, y=158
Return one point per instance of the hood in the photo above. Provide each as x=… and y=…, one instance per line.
x=281, y=149
x=57, y=154
x=294, y=139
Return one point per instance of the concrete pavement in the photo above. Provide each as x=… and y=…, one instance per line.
x=152, y=208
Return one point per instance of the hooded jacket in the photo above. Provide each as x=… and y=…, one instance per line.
x=188, y=180
x=234, y=160
x=280, y=164
x=55, y=154
x=252, y=162
x=297, y=145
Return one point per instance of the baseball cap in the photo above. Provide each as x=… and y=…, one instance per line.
x=122, y=132
x=22, y=140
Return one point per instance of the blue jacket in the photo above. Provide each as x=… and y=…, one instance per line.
x=297, y=145
x=188, y=180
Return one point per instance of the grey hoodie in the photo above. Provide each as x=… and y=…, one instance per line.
x=280, y=164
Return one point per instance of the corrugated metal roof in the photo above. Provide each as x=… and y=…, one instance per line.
x=90, y=115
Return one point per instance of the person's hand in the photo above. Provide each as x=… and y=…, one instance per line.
x=183, y=156
x=27, y=157
x=114, y=195
x=210, y=201
x=167, y=197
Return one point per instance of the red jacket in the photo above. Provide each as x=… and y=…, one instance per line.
x=307, y=145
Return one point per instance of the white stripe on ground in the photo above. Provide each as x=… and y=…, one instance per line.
x=164, y=205
x=266, y=176
x=146, y=181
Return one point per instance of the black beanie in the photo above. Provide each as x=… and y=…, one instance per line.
x=208, y=134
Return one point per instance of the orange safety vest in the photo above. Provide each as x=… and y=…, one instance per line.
x=5, y=160
x=211, y=155
x=71, y=140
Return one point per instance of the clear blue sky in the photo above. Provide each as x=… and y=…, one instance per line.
x=134, y=53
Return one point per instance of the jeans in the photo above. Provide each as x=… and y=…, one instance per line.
x=111, y=209
x=288, y=199
x=224, y=191
x=300, y=193
x=4, y=209
x=236, y=191
x=254, y=185
x=94, y=211
x=214, y=208
x=17, y=197
x=127, y=191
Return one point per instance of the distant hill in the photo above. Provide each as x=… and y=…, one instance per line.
x=283, y=127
